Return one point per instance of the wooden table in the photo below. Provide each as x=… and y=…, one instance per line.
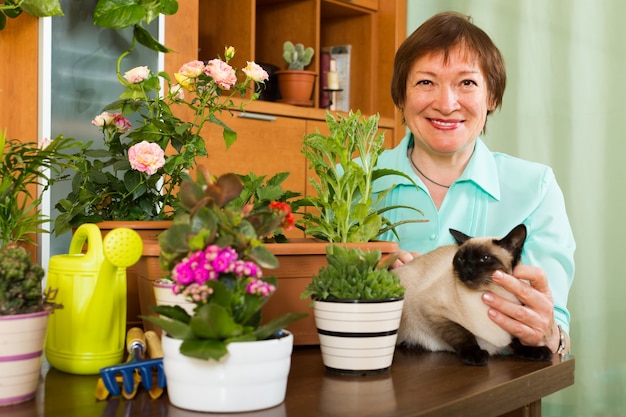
x=418, y=384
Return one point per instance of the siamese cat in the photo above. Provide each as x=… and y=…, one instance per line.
x=443, y=307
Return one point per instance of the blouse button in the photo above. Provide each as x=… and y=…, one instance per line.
x=433, y=236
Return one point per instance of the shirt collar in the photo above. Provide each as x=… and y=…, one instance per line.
x=481, y=169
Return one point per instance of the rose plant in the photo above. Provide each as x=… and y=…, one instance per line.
x=150, y=147
x=215, y=252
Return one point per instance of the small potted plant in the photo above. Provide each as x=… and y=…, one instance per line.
x=342, y=209
x=215, y=253
x=347, y=294
x=295, y=84
x=24, y=307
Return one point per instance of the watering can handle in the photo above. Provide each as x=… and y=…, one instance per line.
x=91, y=234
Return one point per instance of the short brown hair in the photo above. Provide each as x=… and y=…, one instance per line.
x=441, y=33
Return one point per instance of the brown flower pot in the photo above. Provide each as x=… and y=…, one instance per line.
x=296, y=86
x=299, y=260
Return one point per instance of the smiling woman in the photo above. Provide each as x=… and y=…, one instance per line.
x=448, y=77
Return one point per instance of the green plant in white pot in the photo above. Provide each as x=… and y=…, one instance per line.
x=356, y=294
x=341, y=209
x=24, y=308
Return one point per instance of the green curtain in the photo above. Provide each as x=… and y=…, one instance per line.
x=565, y=106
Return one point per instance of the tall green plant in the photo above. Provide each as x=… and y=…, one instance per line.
x=25, y=174
x=345, y=164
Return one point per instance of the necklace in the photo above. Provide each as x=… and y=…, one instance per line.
x=422, y=174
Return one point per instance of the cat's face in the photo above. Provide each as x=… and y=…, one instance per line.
x=478, y=258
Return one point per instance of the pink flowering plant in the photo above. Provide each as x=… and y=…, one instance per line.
x=150, y=145
x=216, y=255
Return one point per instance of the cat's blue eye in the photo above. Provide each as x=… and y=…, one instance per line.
x=485, y=258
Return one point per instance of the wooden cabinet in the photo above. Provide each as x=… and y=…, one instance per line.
x=258, y=28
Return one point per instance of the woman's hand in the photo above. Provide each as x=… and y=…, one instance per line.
x=532, y=322
x=404, y=258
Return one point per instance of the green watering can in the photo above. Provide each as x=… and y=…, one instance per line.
x=88, y=332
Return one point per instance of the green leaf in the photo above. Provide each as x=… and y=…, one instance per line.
x=213, y=321
x=176, y=329
x=203, y=349
x=118, y=14
x=42, y=8
x=146, y=39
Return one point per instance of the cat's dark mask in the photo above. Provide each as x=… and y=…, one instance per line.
x=478, y=258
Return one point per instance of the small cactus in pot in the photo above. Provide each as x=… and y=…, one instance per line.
x=20, y=282
x=296, y=55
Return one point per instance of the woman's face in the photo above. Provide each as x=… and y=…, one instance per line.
x=446, y=103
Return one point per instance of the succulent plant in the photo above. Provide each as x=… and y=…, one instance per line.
x=297, y=56
x=20, y=282
x=354, y=274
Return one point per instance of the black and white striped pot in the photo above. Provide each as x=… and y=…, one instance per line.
x=358, y=337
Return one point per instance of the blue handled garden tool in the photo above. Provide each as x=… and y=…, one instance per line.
x=136, y=370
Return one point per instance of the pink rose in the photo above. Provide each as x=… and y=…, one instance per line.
x=222, y=73
x=121, y=123
x=137, y=75
x=146, y=157
x=192, y=69
x=177, y=92
x=187, y=74
x=255, y=72
x=103, y=119
x=112, y=122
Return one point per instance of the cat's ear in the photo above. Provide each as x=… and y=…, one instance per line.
x=514, y=241
x=460, y=237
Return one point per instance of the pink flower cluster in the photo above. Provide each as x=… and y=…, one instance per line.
x=112, y=121
x=193, y=272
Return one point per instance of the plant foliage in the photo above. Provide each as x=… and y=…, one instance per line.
x=354, y=274
x=345, y=164
x=215, y=253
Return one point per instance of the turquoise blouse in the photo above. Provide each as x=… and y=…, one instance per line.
x=495, y=193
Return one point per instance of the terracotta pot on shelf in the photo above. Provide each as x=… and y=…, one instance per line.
x=300, y=259
x=296, y=87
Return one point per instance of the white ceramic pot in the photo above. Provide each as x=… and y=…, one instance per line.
x=252, y=376
x=22, y=340
x=356, y=336
x=164, y=295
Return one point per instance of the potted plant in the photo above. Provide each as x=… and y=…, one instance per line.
x=215, y=253
x=342, y=209
x=152, y=136
x=24, y=307
x=295, y=84
x=357, y=303
x=149, y=144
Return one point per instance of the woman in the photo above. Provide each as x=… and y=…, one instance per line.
x=448, y=77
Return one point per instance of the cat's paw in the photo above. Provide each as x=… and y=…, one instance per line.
x=476, y=357
x=532, y=353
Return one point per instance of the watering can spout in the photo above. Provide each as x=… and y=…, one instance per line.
x=89, y=332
